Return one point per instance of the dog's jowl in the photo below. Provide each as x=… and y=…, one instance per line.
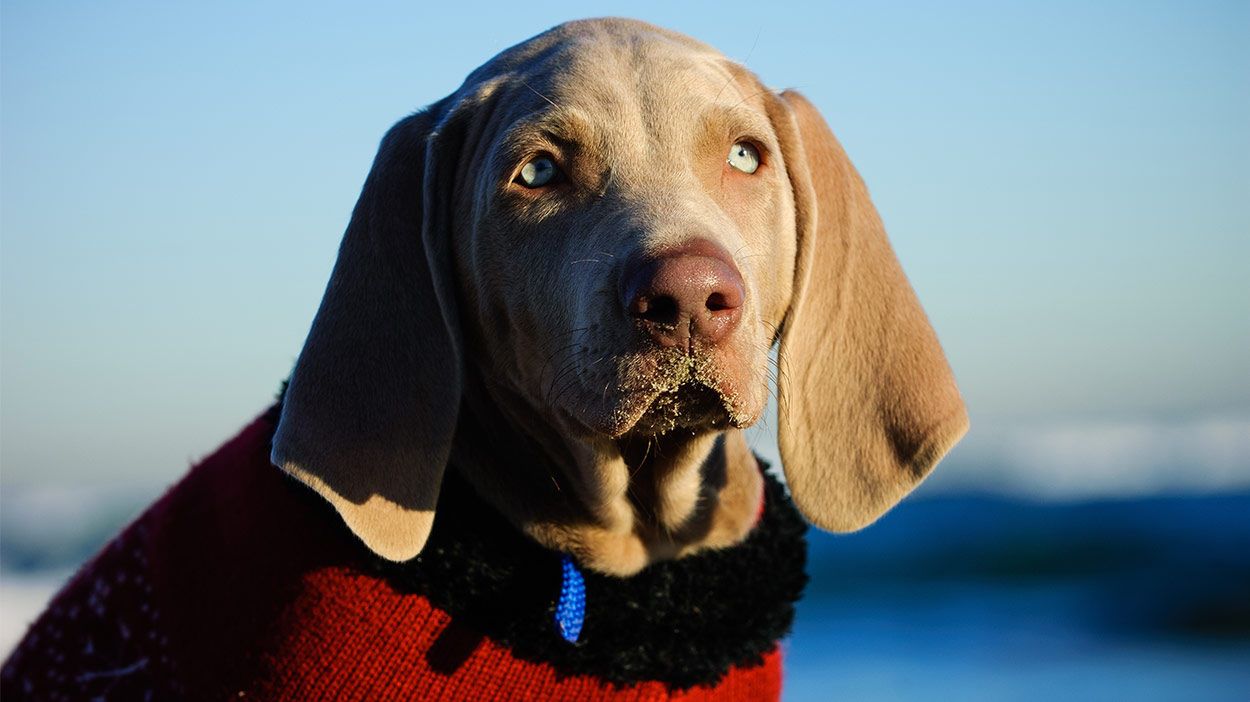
x=509, y=463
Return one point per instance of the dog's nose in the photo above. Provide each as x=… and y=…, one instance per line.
x=691, y=293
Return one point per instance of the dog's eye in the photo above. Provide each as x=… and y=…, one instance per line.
x=744, y=157
x=539, y=171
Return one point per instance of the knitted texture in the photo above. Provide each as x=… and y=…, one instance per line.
x=685, y=621
x=240, y=584
x=571, y=607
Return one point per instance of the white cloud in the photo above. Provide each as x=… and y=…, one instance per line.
x=1127, y=458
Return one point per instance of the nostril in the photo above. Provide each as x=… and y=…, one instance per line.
x=690, y=293
x=661, y=309
x=717, y=302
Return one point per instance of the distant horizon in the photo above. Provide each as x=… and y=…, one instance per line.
x=1050, y=461
x=51, y=528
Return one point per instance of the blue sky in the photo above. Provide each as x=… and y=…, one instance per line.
x=1067, y=185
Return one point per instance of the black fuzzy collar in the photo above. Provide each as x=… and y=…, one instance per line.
x=684, y=622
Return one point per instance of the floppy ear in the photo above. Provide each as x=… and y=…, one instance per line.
x=369, y=414
x=868, y=404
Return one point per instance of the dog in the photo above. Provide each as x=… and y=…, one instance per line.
x=523, y=396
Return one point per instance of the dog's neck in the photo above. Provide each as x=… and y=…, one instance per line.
x=616, y=505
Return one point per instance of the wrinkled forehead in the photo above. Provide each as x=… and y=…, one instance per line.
x=644, y=79
x=647, y=72
x=607, y=51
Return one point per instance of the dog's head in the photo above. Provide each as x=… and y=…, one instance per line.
x=564, y=280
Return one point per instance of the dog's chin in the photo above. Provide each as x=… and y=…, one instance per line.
x=667, y=392
x=692, y=408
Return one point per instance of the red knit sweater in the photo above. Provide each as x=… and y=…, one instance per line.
x=235, y=586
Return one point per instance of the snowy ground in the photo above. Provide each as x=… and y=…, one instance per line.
x=22, y=598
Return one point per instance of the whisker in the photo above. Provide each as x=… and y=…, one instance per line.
x=540, y=95
x=775, y=91
x=556, y=353
x=566, y=368
x=753, y=45
x=722, y=88
x=743, y=62
x=562, y=391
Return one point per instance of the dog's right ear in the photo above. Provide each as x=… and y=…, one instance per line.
x=867, y=403
x=369, y=414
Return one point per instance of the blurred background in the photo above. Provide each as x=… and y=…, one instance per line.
x=1066, y=183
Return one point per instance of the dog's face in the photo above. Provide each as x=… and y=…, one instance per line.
x=612, y=184
x=625, y=273
x=565, y=280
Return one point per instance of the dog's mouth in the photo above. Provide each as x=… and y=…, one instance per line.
x=662, y=391
x=694, y=400
x=691, y=406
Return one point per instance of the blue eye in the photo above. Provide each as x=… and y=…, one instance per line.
x=539, y=171
x=744, y=157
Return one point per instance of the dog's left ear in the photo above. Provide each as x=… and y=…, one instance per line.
x=368, y=417
x=868, y=404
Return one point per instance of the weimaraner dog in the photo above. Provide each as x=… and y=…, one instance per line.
x=556, y=298
x=582, y=258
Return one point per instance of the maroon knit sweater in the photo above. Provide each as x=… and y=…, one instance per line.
x=240, y=584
